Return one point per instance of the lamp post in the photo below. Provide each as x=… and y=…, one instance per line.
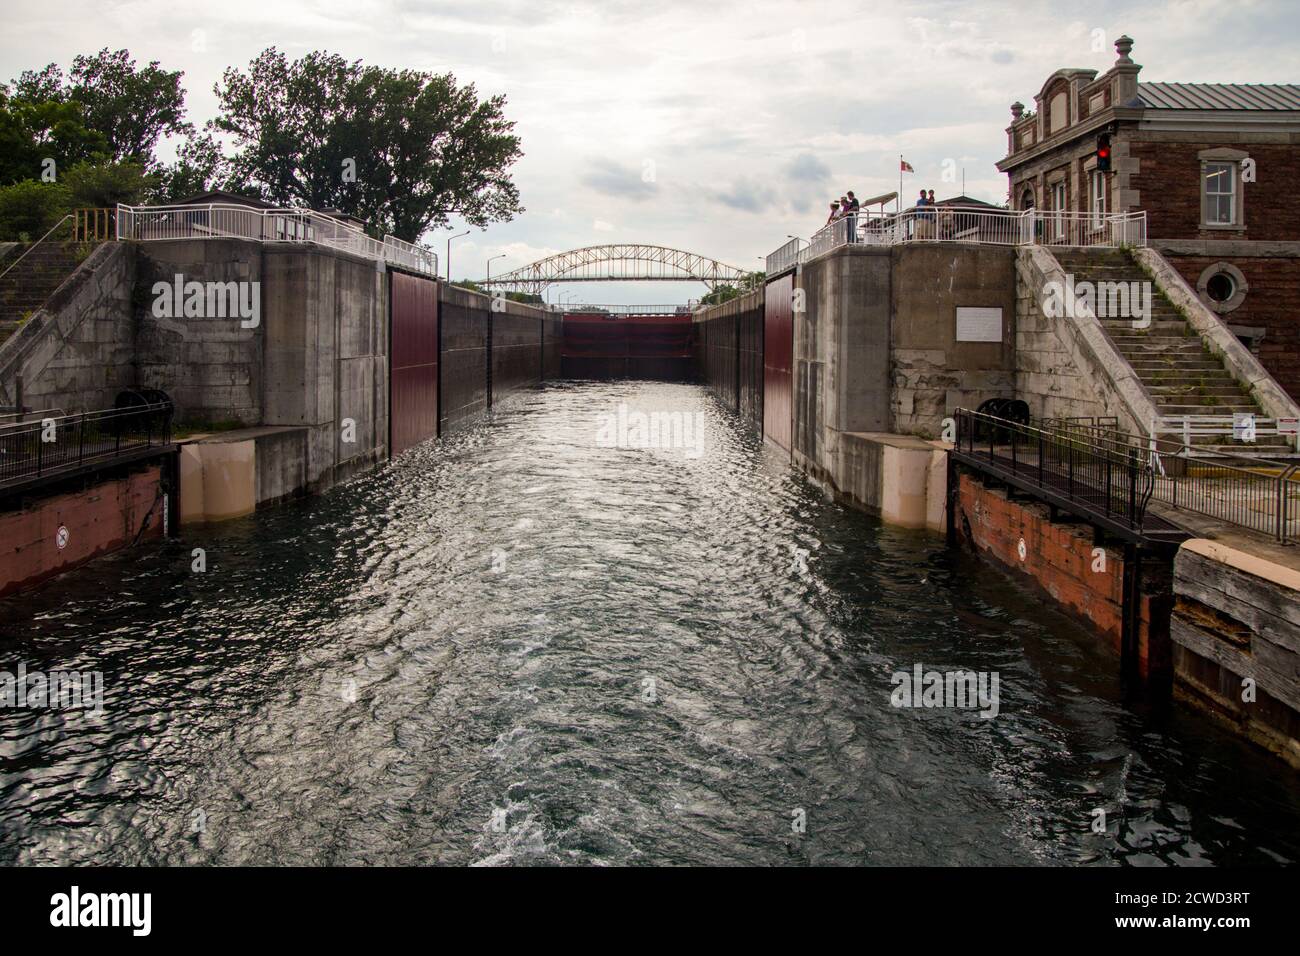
x=489, y=264
x=449, y=238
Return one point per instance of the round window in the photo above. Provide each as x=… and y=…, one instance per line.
x=1220, y=287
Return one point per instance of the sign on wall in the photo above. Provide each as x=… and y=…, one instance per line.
x=978, y=324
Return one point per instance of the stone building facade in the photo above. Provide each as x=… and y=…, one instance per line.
x=1210, y=163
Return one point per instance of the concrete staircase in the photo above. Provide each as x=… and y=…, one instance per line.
x=1175, y=367
x=30, y=283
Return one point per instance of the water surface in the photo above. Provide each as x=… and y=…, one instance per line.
x=517, y=646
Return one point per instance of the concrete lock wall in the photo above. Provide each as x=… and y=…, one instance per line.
x=517, y=356
x=486, y=355
x=463, y=317
x=326, y=356
x=77, y=352
x=552, y=346
x=729, y=354
x=935, y=371
x=211, y=368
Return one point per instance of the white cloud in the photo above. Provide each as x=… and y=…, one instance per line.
x=750, y=126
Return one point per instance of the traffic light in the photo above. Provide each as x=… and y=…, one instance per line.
x=1103, y=153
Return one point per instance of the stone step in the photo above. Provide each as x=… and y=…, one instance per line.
x=1196, y=392
x=1161, y=378
x=1158, y=326
x=1188, y=366
x=1225, y=409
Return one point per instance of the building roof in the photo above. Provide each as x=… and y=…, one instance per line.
x=217, y=196
x=1219, y=96
x=964, y=201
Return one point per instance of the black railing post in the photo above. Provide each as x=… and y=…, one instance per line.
x=1132, y=489
x=81, y=441
x=1107, y=494
x=1070, y=471
x=1040, y=459
x=1015, y=433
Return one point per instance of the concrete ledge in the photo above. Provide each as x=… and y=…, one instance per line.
x=901, y=478
x=231, y=474
x=1240, y=363
x=1242, y=561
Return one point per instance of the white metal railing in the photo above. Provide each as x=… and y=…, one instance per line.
x=1243, y=429
x=969, y=224
x=230, y=221
x=785, y=257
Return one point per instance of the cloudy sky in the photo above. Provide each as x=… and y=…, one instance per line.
x=713, y=126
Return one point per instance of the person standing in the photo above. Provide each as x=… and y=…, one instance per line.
x=835, y=213
x=852, y=214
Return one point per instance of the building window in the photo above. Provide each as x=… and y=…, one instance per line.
x=1222, y=287
x=1219, y=185
x=1098, y=198
x=1058, y=207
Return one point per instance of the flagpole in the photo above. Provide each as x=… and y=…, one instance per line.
x=898, y=200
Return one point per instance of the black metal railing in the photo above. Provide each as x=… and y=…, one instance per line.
x=1069, y=466
x=53, y=447
x=1116, y=476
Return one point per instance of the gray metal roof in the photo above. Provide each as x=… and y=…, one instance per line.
x=1219, y=96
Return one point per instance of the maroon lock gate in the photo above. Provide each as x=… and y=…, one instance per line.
x=413, y=361
x=778, y=352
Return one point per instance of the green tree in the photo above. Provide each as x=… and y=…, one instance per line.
x=104, y=185
x=401, y=149
x=199, y=167
x=33, y=133
x=28, y=209
x=131, y=107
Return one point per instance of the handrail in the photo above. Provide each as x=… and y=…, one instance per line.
x=988, y=225
x=35, y=244
x=1245, y=491
x=55, y=447
x=234, y=221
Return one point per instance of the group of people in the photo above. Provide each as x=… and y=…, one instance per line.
x=846, y=206
x=846, y=210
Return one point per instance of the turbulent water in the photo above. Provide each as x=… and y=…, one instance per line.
x=521, y=645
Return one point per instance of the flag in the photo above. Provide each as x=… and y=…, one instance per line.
x=905, y=167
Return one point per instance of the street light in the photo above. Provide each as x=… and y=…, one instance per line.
x=489, y=264
x=449, y=238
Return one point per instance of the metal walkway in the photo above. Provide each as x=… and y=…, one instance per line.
x=1090, y=477
x=45, y=450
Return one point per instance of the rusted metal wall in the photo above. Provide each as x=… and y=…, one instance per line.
x=778, y=348
x=632, y=346
x=413, y=360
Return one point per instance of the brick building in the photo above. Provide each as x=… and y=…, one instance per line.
x=1213, y=165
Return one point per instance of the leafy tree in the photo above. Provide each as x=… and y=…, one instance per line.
x=400, y=149
x=105, y=185
x=28, y=209
x=33, y=132
x=131, y=107
x=199, y=167
x=528, y=298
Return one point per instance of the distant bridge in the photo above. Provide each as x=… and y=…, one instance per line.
x=622, y=262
